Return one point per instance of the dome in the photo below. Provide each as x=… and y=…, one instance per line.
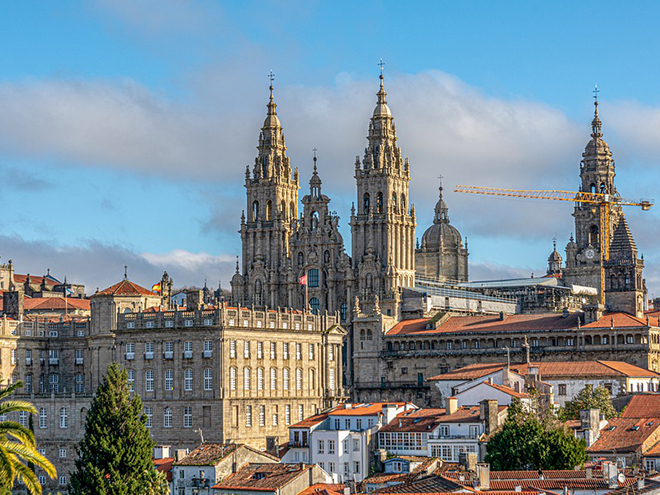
x=554, y=257
x=441, y=234
x=596, y=145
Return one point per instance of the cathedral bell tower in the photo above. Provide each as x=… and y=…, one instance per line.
x=596, y=175
x=383, y=227
x=272, y=208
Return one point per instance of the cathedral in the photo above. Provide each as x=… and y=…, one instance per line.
x=300, y=261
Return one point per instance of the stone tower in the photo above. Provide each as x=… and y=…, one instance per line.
x=383, y=227
x=597, y=175
x=624, y=286
x=317, y=251
x=442, y=255
x=272, y=208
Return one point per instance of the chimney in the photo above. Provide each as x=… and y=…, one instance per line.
x=489, y=414
x=483, y=476
x=502, y=316
x=13, y=303
x=451, y=405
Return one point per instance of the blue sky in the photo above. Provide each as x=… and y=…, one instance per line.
x=126, y=125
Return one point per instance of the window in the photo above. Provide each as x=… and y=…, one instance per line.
x=331, y=379
x=337, y=424
x=42, y=480
x=248, y=416
x=79, y=356
x=187, y=417
x=148, y=412
x=260, y=350
x=169, y=379
x=273, y=379
x=321, y=445
x=630, y=339
x=358, y=425
x=246, y=378
x=313, y=277
x=54, y=382
x=232, y=349
x=275, y=416
x=62, y=453
x=312, y=379
x=130, y=351
x=273, y=353
x=444, y=430
x=149, y=380
x=169, y=350
x=474, y=431
x=298, y=379
x=449, y=345
x=332, y=467
x=246, y=349
x=232, y=378
x=149, y=350
x=208, y=348
x=13, y=356
x=28, y=356
x=260, y=378
x=356, y=445
x=62, y=480
x=208, y=379
x=331, y=446
x=28, y=383
x=562, y=389
x=285, y=350
x=404, y=371
x=315, y=304
x=301, y=412
x=347, y=424
x=331, y=353
x=262, y=415
x=287, y=414
x=23, y=418
x=356, y=467
x=345, y=445
x=131, y=381
x=311, y=352
x=298, y=352
x=167, y=417
x=43, y=418
x=343, y=310
x=187, y=380
x=285, y=378
x=188, y=350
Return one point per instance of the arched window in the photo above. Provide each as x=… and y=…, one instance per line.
x=379, y=202
x=363, y=335
x=246, y=378
x=366, y=203
x=167, y=417
x=255, y=211
x=315, y=305
x=269, y=210
x=64, y=418
x=343, y=310
x=312, y=379
x=370, y=335
x=313, y=277
x=394, y=202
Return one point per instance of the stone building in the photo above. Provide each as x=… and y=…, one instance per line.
x=442, y=255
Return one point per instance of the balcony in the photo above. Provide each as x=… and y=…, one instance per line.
x=187, y=354
x=53, y=360
x=79, y=360
x=298, y=444
x=148, y=355
x=201, y=483
x=208, y=354
x=130, y=356
x=168, y=355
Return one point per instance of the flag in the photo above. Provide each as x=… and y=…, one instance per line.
x=69, y=291
x=303, y=280
x=156, y=288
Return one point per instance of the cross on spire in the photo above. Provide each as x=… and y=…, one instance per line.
x=271, y=77
x=382, y=65
x=596, y=91
x=314, y=150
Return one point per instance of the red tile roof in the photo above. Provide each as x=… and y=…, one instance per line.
x=263, y=477
x=546, y=484
x=126, y=288
x=642, y=406
x=625, y=434
x=507, y=390
x=550, y=369
x=311, y=421
x=618, y=320
x=422, y=419
x=21, y=279
x=55, y=303
x=164, y=465
x=368, y=409
x=324, y=489
x=490, y=323
x=207, y=454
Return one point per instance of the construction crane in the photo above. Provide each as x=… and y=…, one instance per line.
x=604, y=202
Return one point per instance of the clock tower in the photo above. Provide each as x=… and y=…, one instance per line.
x=597, y=175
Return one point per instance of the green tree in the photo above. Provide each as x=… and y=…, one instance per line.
x=18, y=449
x=589, y=398
x=114, y=456
x=528, y=440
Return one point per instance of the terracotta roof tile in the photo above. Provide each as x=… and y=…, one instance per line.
x=126, y=288
x=164, y=465
x=618, y=320
x=507, y=390
x=368, y=409
x=429, y=484
x=489, y=323
x=625, y=434
x=324, y=489
x=55, y=303
x=470, y=372
x=428, y=419
x=263, y=477
x=642, y=406
x=207, y=454
x=554, y=484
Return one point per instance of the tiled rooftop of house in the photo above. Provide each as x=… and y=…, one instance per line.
x=126, y=288
x=367, y=409
x=625, y=435
x=207, y=454
x=642, y=406
x=263, y=477
x=429, y=484
x=324, y=489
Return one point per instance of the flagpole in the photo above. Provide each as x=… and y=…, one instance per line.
x=306, y=295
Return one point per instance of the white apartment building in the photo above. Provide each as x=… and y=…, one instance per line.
x=340, y=440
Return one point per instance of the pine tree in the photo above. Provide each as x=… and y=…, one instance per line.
x=114, y=456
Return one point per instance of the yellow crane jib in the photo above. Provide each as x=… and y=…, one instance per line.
x=605, y=202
